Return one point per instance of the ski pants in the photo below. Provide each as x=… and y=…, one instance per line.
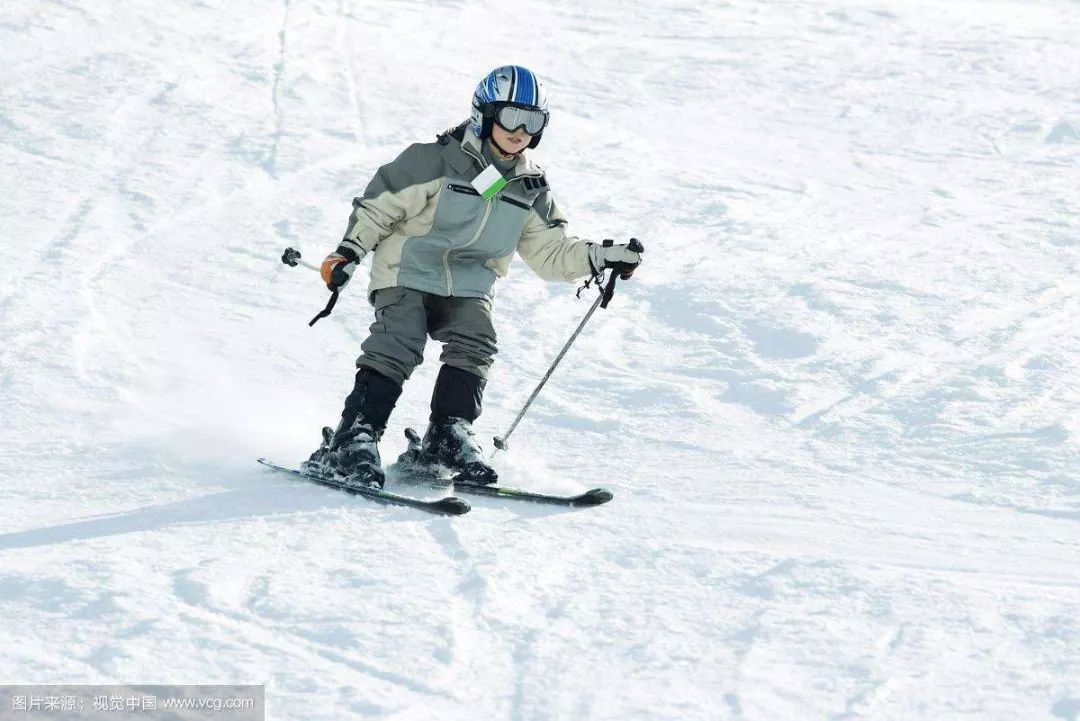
x=405, y=318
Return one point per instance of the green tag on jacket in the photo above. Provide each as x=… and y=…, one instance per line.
x=489, y=182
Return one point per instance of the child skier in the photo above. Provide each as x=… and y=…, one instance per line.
x=443, y=221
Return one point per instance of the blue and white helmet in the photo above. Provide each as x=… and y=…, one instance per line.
x=511, y=85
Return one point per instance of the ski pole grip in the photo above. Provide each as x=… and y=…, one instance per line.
x=634, y=245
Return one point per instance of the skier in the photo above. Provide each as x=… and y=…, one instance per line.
x=442, y=222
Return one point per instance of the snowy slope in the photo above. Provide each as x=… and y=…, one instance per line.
x=837, y=405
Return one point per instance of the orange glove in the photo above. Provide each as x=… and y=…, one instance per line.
x=337, y=268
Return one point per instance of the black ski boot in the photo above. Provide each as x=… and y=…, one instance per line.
x=351, y=453
x=451, y=442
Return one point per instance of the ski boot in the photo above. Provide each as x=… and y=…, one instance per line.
x=351, y=453
x=412, y=460
x=451, y=443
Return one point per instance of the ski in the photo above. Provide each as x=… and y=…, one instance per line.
x=448, y=506
x=410, y=466
x=592, y=497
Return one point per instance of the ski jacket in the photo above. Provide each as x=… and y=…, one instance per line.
x=430, y=230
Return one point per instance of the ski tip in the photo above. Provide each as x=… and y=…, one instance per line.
x=453, y=506
x=594, y=497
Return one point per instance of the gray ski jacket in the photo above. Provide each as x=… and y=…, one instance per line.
x=430, y=230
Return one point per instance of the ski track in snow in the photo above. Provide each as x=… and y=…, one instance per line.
x=837, y=405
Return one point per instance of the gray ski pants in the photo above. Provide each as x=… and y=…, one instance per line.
x=404, y=318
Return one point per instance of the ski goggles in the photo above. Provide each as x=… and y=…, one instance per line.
x=511, y=118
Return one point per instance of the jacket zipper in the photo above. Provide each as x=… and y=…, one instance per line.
x=446, y=255
x=463, y=189
x=487, y=213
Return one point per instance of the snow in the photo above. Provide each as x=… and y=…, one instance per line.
x=837, y=405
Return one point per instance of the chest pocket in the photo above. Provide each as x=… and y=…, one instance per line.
x=509, y=212
x=459, y=213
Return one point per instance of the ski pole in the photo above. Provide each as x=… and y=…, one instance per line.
x=291, y=258
x=501, y=442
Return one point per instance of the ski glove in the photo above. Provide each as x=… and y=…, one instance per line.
x=621, y=257
x=337, y=268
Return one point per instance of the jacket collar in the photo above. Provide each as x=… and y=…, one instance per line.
x=525, y=167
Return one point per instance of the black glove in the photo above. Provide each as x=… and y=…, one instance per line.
x=623, y=259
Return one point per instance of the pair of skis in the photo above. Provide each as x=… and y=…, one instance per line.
x=449, y=505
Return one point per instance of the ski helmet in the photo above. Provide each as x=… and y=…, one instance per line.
x=504, y=89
